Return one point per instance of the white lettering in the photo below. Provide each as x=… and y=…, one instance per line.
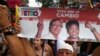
x=61, y=11
x=67, y=15
x=58, y=14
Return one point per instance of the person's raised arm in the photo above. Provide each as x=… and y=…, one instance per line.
x=17, y=46
x=40, y=27
x=13, y=42
x=93, y=30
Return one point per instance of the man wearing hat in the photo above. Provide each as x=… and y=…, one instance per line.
x=64, y=49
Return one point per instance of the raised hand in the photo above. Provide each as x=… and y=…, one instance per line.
x=40, y=27
x=88, y=25
x=17, y=28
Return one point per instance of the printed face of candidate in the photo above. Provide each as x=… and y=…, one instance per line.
x=55, y=28
x=64, y=52
x=73, y=31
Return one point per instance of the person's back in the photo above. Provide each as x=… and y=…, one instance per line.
x=48, y=50
x=96, y=52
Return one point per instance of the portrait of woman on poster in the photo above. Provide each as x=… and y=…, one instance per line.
x=72, y=27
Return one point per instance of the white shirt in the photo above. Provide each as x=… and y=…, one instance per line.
x=49, y=36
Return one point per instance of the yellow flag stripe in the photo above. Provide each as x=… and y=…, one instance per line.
x=16, y=14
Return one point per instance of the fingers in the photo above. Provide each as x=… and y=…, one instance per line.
x=88, y=25
x=40, y=26
x=40, y=23
x=17, y=28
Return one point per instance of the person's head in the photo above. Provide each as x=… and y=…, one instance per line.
x=37, y=42
x=64, y=49
x=55, y=26
x=72, y=27
x=64, y=52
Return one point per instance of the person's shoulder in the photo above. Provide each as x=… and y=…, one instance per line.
x=47, y=47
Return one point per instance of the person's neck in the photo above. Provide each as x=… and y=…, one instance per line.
x=74, y=38
x=56, y=36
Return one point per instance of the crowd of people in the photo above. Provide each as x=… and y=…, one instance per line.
x=40, y=45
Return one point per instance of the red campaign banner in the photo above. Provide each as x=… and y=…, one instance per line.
x=68, y=14
x=29, y=18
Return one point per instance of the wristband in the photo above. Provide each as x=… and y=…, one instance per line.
x=8, y=30
x=8, y=33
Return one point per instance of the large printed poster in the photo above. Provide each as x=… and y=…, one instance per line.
x=60, y=29
x=30, y=17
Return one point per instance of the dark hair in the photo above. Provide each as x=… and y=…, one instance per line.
x=2, y=2
x=53, y=20
x=71, y=22
x=31, y=41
